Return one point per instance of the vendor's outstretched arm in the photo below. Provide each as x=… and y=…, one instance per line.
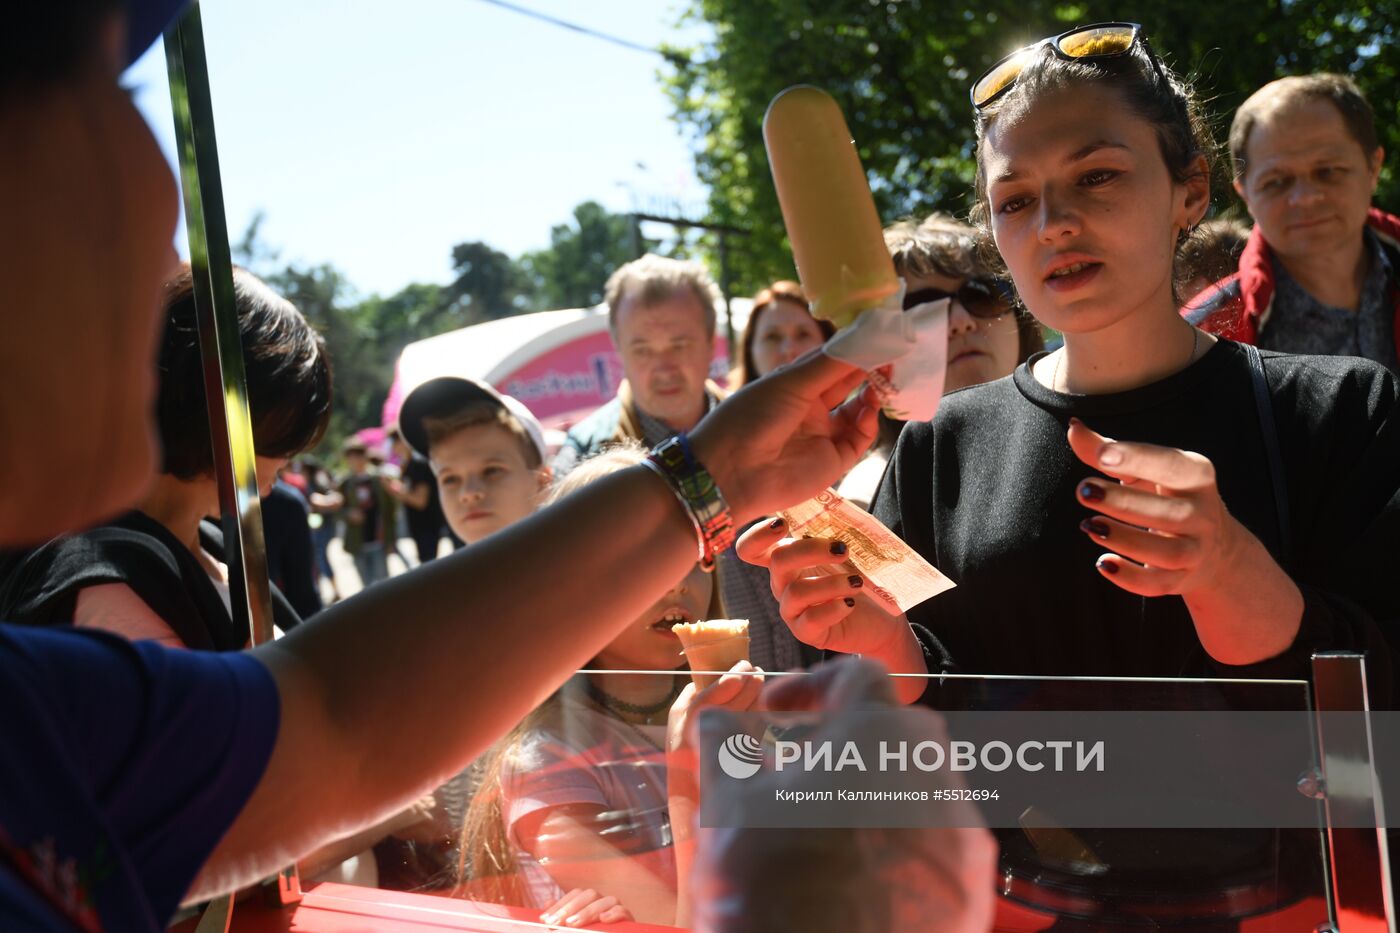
x=387, y=694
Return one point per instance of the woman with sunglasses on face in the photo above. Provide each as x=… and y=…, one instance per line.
x=1111, y=509
x=987, y=336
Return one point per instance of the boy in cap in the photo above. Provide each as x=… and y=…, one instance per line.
x=486, y=449
x=368, y=522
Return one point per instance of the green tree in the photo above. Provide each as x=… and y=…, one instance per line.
x=486, y=287
x=900, y=70
x=572, y=270
x=360, y=374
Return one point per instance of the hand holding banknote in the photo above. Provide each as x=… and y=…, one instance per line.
x=829, y=604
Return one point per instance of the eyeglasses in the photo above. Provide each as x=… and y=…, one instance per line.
x=1099, y=41
x=984, y=300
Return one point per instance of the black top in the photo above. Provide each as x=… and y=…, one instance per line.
x=429, y=519
x=986, y=493
x=287, y=531
x=40, y=586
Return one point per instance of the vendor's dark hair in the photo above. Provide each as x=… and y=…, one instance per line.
x=1162, y=99
x=284, y=359
x=43, y=43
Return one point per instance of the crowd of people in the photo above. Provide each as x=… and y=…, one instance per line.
x=1200, y=477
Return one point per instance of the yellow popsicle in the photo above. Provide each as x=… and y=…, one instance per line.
x=827, y=208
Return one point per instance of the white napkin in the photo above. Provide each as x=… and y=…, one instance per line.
x=904, y=352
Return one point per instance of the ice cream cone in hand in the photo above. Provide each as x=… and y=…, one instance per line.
x=713, y=645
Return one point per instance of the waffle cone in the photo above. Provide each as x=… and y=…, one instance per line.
x=714, y=645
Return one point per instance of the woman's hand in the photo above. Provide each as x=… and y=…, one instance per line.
x=786, y=437
x=583, y=906
x=822, y=600
x=1169, y=533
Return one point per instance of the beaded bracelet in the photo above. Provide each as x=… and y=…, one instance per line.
x=693, y=485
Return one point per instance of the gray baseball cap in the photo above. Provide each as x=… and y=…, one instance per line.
x=444, y=395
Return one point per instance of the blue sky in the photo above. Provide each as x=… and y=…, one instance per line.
x=374, y=136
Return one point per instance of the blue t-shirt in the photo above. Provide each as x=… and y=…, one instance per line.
x=121, y=767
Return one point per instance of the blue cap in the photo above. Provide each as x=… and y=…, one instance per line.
x=145, y=21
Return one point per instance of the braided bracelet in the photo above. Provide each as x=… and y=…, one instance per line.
x=693, y=485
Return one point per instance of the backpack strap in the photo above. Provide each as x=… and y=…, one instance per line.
x=1268, y=427
x=41, y=586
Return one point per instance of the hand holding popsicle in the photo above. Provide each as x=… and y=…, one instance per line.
x=830, y=216
x=841, y=257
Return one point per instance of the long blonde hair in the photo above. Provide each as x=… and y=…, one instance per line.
x=487, y=869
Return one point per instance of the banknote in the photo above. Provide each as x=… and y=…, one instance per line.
x=896, y=576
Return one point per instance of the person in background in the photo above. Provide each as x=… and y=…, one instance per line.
x=988, y=334
x=486, y=451
x=1321, y=271
x=366, y=513
x=780, y=329
x=290, y=551
x=661, y=317
x=416, y=490
x=1211, y=253
x=325, y=502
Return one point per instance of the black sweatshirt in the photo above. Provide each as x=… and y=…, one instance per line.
x=986, y=493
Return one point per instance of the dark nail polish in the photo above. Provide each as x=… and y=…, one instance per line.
x=855, y=581
x=1094, y=527
x=776, y=523
x=850, y=603
x=1107, y=566
x=1091, y=492
x=838, y=548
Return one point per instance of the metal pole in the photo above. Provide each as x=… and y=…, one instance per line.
x=226, y=389
x=221, y=345
x=1358, y=858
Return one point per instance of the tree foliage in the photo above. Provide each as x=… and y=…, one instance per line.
x=365, y=334
x=572, y=271
x=900, y=70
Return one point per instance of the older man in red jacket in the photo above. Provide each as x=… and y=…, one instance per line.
x=1321, y=271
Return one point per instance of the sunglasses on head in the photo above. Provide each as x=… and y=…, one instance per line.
x=1083, y=43
x=983, y=299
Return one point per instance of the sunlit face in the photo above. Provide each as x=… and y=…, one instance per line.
x=1084, y=211
x=484, y=481
x=648, y=644
x=1307, y=182
x=86, y=234
x=666, y=352
x=979, y=350
x=785, y=331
